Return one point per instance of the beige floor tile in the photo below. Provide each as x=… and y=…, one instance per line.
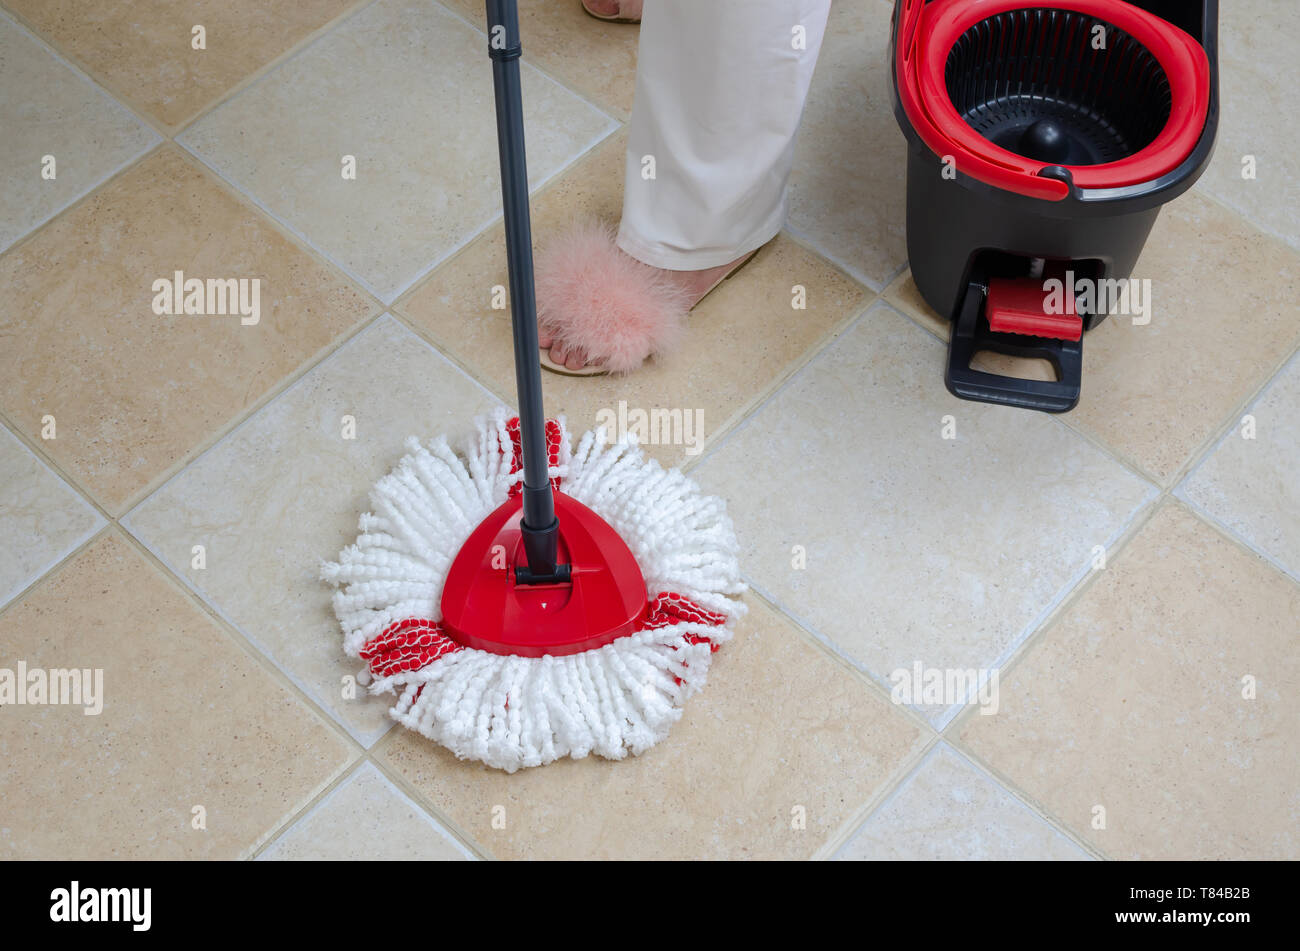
x=739, y=340
x=133, y=393
x=1133, y=701
x=949, y=810
x=595, y=59
x=918, y=548
x=283, y=492
x=48, y=109
x=366, y=817
x=903, y=294
x=1253, y=31
x=41, y=517
x=781, y=732
x=188, y=719
x=1257, y=82
x=405, y=87
x=1223, y=316
x=847, y=191
x=1251, y=484
x=142, y=49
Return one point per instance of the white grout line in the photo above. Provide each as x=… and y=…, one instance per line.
x=901, y=788
x=220, y=168
x=363, y=767
x=824, y=640
x=1087, y=848
x=940, y=720
x=255, y=76
x=1223, y=528
x=814, y=354
x=477, y=232
x=1208, y=191
x=526, y=60
x=152, y=137
x=249, y=196
x=1232, y=422
x=1083, y=572
x=369, y=328
x=103, y=90
x=894, y=794
x=851, y=269
x=753, y=413
x=367, y=739
x=70, y=494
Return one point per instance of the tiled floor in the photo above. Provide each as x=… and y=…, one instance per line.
x=1122, y=584
x=57, y=121
x=425, y=161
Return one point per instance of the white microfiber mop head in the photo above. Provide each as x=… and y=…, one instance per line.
x=510, y=711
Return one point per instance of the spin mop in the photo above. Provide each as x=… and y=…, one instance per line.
x=525, y=600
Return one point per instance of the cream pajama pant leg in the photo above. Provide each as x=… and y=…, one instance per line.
x=720, y=89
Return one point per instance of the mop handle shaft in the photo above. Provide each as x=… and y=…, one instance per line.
x=538, y=504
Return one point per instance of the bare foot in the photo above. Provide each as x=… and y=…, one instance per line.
x=696, y=284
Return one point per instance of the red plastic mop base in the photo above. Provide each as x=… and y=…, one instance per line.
x=484, y=608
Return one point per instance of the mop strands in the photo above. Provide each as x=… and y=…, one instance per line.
x=528, y=601
x=528, y=699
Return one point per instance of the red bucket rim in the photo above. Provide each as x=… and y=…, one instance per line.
x=924, y=92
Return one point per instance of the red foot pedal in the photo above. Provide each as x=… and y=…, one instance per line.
x=1015, y=306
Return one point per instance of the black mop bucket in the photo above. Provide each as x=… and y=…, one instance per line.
x=1043, y=140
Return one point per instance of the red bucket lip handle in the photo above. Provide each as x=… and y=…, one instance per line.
x=1008, y=177
x=924, y=93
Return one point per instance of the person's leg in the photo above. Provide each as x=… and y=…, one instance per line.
x=719, y=94
x=720, y=91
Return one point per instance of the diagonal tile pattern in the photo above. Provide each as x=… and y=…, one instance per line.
x=145, y=50
x=957, y=544
x=62, y=135
x=365, y=817
x=767, y=762
x=405, y=89
x=41, y=518
x=1165, y=697
x=1160, y=689
x=283, y=492
x=1256, y=165
x=949, y=810
x=746, y=332
x=595, y=59
x=1249, y=481
x=1222, y=318
x=188, y=720
x=848, y=185
x=132, y=393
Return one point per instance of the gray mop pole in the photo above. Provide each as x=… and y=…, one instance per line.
x=539, y=525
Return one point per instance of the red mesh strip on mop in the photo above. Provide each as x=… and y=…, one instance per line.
x=413, y=643
x=553, y=437
x=406, y=645
x=673, y=608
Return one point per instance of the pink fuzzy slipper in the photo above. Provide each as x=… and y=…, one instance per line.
x=594, y=298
